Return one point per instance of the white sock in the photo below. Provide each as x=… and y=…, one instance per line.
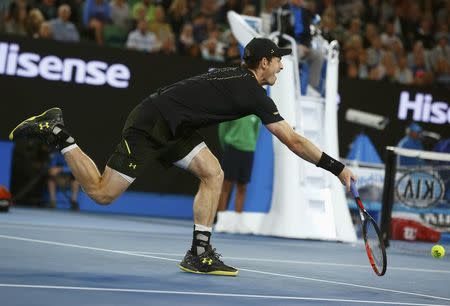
x=202, y=228
x=69, y=148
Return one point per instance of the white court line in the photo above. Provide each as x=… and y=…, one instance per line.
x=248, y=270
x=259, y=259
x=233, y=295
x=303, y=262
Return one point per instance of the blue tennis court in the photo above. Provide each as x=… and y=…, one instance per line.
x=52, y=257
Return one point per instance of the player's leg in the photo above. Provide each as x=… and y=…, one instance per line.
x=49, y=126
x=202, y=258
x=102, y=188
x=207, y=168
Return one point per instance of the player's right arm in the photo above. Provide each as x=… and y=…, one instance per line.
x=298, y=144
x=306, y=150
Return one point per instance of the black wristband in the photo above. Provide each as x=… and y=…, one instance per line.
x=328, y=163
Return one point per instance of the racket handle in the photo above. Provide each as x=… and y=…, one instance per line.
x=354, y=189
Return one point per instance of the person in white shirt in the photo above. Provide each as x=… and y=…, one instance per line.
x=62, y=28
x=143, y=40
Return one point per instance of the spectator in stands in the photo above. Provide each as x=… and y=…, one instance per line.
x=45, y=31
x=397, y=49
x=199, y=23
x=363, y=68
x=212, y=49
x=4, y=8
x=186, y=40
x=414, y=16
x=375, y=52
x=419, y=64
x=266, y=15
x=146, y=7
x=354, y=28
x=48, y=9
x=163, y=30
x=249, y=10
x=60, y=176
x=404, y=74
x=211, y=26
x=443, y=12
x=120, y=14
x=389, y=67
x=388, y=37
x=424, y=33
x=411, y=141
x=386, y=69
x=208, y=8
x=441, y=50
x=34, y=21
x=96, y=14
x=407, y=26
x=232, y=54
x=401, y=23
x=352, y=70
x=298, y=27
x=370, y=32
x=178, y=15
x=442, y=72
x=330, y=29
x=63, y=29
x=234, y=5
x=76, y=8
x=372, y=12
x=15, y=21
x=351, y=50
x=143, y=40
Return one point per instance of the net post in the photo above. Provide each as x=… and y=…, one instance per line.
x=388, y=193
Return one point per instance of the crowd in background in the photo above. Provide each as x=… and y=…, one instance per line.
x=405, y=41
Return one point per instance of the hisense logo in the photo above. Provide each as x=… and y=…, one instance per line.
x=53, y=68
x=423, y=109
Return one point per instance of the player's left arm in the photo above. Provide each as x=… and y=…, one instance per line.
x=306, y=150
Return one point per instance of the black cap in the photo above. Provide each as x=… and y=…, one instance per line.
x=258, y=48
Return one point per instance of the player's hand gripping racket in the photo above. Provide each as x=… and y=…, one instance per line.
x=372, y=236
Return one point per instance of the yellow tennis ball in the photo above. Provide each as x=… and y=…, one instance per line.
x=437, y=251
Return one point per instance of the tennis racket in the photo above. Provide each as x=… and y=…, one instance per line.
x=372, y=236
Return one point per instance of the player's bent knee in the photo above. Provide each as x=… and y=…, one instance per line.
x=101, y=198
x=104, y=200
x=214, y=177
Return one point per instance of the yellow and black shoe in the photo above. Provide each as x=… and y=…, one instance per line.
x=207, y=263
x=40, y=126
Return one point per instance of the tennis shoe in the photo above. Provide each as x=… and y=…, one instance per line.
x=40, y=126
x=207, y=263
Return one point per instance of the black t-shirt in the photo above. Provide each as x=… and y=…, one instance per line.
x=222, y=94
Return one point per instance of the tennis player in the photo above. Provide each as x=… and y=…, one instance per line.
x=163, y=127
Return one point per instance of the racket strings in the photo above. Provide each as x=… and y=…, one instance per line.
x=373, y=246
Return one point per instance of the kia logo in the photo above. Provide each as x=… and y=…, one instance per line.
x=420, y=189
